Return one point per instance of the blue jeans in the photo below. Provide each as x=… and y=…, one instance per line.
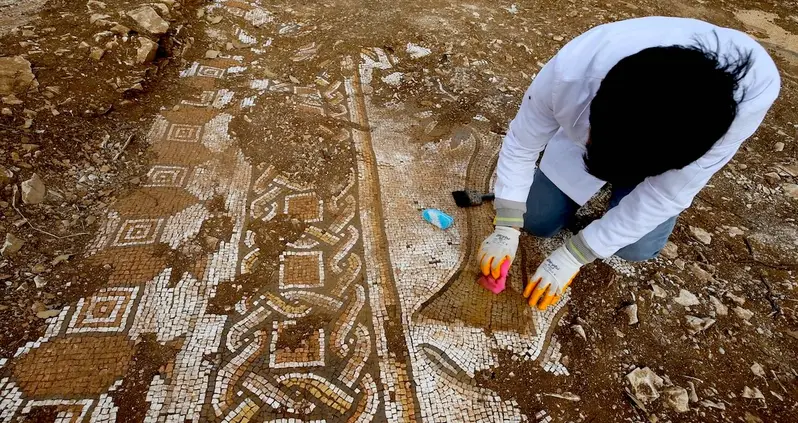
x=548, y=210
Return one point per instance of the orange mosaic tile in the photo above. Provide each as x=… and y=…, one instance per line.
x=76, y=366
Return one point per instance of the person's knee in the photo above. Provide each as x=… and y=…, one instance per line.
x=542, y=229
x=637, y=253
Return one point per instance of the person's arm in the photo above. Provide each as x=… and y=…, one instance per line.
x=529, y=132
x=661, y=197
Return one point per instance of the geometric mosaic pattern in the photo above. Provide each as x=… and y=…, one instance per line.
x=105, y=311
x=138, y=232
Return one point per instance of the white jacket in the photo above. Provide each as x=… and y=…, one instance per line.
x=555, y=112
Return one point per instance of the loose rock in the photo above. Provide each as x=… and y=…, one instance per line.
x=791, y=190
x=772, y=177
x=754, y=393
x=693, y=395
x=658, y=291
x=146, y=51
x=645, y=384
x=11, y=245
x=702, y=235
x=46, y=314
x=631, y=313
x=33, y=190
x=702, y=275
x=757, y=369
x=743, y=313
x=96, y=53
x=147, y=21
x=580, y=331
x=699, y=324
x=779, y=146
x=720, y=308
x=670, y=251
x=39, y=281
x=16, y=76
x=211, y=54
x=6, y=177
x=686, y=299
x=676, y=398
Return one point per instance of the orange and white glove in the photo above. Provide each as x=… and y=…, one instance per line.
x=498, y=250
x=552, y=278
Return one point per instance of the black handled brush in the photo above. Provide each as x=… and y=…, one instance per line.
x=470, y=198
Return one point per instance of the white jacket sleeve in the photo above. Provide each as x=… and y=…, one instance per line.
x=661, y=197
x=529, y=132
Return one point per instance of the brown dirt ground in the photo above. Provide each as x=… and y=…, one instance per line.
x=718, y=361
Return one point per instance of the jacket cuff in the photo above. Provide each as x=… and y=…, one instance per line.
x=509, y=213
x=577, y=246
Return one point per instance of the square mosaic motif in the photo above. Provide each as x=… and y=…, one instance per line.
x=184, y=133
x=302, y=270
x=138, y=232
x=106, y=311
x=306, y=207
x=307, y=352
x=166, y=176
x=210, y=72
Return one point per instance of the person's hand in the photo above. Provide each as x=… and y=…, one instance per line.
x=498, y=251
x=551, y=279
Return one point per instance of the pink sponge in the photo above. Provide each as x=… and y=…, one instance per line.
x=496, y=285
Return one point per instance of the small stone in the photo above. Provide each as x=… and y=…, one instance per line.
x=6, y=177
x=698, y=324
x=11, y=100
x=211, y=54
x=147, y=21
x=702, y=235
x=105, y=168
x=737, y=299
x=686, y=299
x=789, y=169
x=676, y=398
x=670, y=250
x=6, y=111
x=679, y=263
x=702, y=275
x=33, y=190
x=96, y=53
x=39, y=281
x=778, y=147
x=558, y=38
x=720, y=308
x=658, y=291
x=211, y=242
x=757, y=369
x=791, y=190
x=120, y=29
x=754, y=393
x=645, y=384
x=580, y=331
x=11, y=245
x=60, y=258
x=631, y=313
x=693, y=395
x=46, y=314
x=146, y=51
x=16, y=76
x=773, y=178
x=734, y=231
x=743, y=313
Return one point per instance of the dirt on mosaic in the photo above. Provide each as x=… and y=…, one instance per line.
x=211, y=211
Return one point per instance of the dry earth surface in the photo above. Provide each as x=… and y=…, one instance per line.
x=211, y=212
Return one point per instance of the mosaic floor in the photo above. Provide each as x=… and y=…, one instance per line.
x=370, y=315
